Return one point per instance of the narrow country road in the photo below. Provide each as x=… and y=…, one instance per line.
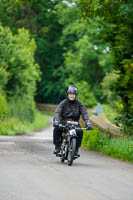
x=30, y=171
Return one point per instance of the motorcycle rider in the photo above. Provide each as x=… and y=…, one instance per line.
x=69, y=109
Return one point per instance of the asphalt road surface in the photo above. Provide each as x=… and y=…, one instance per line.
x=30, y=171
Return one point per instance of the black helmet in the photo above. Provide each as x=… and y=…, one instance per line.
x=72, y=90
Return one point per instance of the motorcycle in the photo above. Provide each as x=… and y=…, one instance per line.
x=69, y=140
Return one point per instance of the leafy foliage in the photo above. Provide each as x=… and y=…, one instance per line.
x=40, y=19
x=14, y=126
x=18, y=73
x=91, y=139
x=117, y=30
x=109, y=93
x=81, y=42
x=115, y=147
x=4, y=110
x=86, y=57
x=17, y=63
x=60, y=41
x=85, y=94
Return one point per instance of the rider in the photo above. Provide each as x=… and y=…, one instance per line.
x=69, y=109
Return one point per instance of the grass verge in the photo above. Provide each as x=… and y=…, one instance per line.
x=15, y=127
x=121, y=148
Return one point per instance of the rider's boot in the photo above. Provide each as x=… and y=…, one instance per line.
x=57, y=150
x=76, y=153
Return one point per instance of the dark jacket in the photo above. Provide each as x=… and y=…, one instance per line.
x=71, y=110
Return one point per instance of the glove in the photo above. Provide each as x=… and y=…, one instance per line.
x=88, y=125
x=56, y=123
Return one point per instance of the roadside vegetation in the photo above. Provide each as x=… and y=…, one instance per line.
x=121, y=148
x=14, y=126
x=18, y=76
x=47, y=45
x=50, y=113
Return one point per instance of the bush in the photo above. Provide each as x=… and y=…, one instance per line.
x=23, y=109
x=17, y=63
x=14, y=126
x=9, y=127
x=121, y=148
x=4, y=110
x=124, y=87
x=4, y=76
x=125, y=121
x=18, y=75
x=91, y=139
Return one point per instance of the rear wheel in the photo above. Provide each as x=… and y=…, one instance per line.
x=71, y=151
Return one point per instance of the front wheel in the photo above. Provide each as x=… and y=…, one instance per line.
x=62, y=158
x=63, y=151
x=71, y=151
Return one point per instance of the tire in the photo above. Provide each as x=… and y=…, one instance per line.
x=62, y=159
x=62, y=156
x=71, y=151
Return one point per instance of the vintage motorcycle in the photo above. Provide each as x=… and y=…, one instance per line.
x=69, y=140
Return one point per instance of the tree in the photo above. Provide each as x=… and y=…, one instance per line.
x=117, y=16
x=18, y=70
x=87, y=57
x=40, y=19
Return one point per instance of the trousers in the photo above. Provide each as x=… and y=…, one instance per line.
x=57, y=137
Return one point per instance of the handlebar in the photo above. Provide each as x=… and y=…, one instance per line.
x=60, y=125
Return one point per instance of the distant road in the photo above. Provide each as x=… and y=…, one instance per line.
x=30, y=171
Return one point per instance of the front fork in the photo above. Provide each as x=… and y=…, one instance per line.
x=69, y=142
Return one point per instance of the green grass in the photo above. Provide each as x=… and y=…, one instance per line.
x=118, y=148
x=16, y=127
x=48, y=113
x=121, y=148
